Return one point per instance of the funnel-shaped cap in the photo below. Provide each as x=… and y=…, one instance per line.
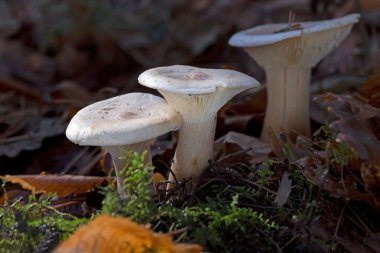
x=273, y=45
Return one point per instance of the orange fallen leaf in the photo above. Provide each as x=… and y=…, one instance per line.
x=116, y=234
x=370, y=5
x=61, y=185
x=371, y=89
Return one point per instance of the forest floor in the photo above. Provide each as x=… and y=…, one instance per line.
x=318, y=194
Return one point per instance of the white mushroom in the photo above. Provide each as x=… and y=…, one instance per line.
x=197, y=94
x=124, y=123
x=287, y=56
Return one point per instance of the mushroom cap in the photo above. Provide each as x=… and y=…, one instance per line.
x=268, y=34
x=192, y=80
x=123, y=120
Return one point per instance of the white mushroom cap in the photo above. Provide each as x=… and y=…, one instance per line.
x=267, y=34
x=305, y=46
x=192, y=80
x=123, y=120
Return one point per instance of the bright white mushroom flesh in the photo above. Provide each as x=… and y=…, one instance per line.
x=121, y=124
x=197, y=94
x=287, y=58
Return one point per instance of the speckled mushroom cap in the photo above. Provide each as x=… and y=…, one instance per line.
x=123, y=120
x=192, y=80
x=270, y=33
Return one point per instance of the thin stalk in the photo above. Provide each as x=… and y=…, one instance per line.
x=120, y=160
x=288, y=101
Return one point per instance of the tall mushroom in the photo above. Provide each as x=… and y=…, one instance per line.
x=124, y=123
x=287, y=55
x=197, y=94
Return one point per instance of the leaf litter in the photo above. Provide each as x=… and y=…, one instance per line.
x=328, y=188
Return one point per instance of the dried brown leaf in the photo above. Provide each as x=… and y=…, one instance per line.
x=33, y=136
x=62, y=185
x=284, y=189
x=371, y=89
x=116, y=234
x=353, y=120
x=345, y=186
x=233, y=142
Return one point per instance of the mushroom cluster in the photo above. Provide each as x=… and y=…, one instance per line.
x=131, y=122
x=194, y=95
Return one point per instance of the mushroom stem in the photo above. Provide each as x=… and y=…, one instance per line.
x=194, y=147
x=288, y=93
x=120, y=160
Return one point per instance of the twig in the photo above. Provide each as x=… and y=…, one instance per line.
x=339, y=222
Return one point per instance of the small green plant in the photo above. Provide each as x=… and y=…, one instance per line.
x=138, y=182
x=267, y=171
x=341, y=152
x=33, y=225
x=325, y=132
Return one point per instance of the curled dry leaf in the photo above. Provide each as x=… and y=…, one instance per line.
x=353, y=122
x=116, y=234
x=234, y=142
x=32, y=139
x=24, y=123
x=64, y=185
x=239, y=115
x=284, y=189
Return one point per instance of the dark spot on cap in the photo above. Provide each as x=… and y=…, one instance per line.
x=106, y=109
x=196, y=76
x=127, y=115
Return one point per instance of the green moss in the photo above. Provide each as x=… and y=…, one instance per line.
x=216, y=222
x=34, y=226
x=138, y=182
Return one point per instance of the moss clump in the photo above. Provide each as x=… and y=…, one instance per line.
x=33, y=226
x=216, y=221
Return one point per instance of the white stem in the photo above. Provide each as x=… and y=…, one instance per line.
x=195, y=145
x=119, y=153
x=288, y=101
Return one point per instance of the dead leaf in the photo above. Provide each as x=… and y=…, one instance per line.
x=371, y=89
x=370, y=5
x=345, y=186
x=62, y=185
x=353, y=126
x=32, y=139
x=20, y=88
x=116, y=234
x=233, y=142
x=25, y=119
x=284, y=189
